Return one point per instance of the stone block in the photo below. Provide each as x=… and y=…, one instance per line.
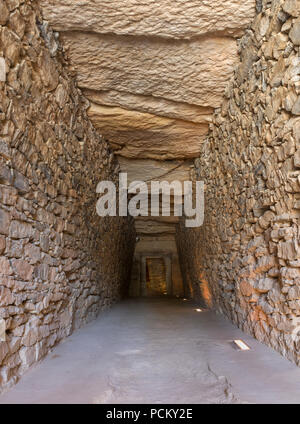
x=2, y=69
x=295, y=33
x=292, y=7
x=264, y=285
x=20, y=229
x=5, y=268
x=4, y=222
x=4, y=14
x=23, y=269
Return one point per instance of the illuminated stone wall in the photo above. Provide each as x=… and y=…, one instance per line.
x=247, y=254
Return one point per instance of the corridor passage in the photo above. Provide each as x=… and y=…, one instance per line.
x=158, y=350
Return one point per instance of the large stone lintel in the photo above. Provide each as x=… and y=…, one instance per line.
x=193, y=72
x=150, y=104
x=143, y=135
x=163, y=18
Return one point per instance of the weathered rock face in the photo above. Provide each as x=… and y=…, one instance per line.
x=167, y=19
x=189, y=71
x=60, y=264
x=153, y=105
x=246, y=257
x=146, y=136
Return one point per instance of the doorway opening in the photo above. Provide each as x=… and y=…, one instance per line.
x=155, y=274
x=156, y=279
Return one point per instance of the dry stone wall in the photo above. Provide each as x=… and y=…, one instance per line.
x=60, y=264
x=246, y=257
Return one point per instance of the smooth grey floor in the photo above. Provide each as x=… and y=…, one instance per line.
x=158, y=351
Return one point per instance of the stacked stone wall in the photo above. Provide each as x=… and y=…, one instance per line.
x=246, y=257
x=60, y=264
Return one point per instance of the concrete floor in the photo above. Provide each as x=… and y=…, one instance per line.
x=158, y=351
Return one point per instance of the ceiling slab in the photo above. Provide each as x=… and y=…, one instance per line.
x=163, y=18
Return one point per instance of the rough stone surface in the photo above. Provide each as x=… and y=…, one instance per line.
x=245, y=260
x=2, y=69
x=292, y=7
x=146, y=136
x=60, y=264
x=168, y=18
x=193, y=72
x=150, y=104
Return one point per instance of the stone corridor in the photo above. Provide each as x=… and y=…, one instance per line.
x=187, y=91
